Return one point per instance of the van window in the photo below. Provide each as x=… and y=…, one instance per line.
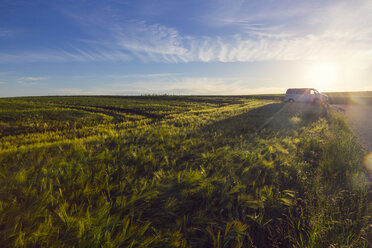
x=291, y=91
x=301, y=91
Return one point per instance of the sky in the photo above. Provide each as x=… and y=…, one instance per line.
x=209, y=47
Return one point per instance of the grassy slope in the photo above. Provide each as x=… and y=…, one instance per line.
x=178, y=171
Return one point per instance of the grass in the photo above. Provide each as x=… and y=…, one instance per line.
x=158, y=171
x=351, y=97
x=357, y=97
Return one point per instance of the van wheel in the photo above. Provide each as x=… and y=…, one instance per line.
x=291, y=100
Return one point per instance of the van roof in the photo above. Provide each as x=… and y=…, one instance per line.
x=301, y=88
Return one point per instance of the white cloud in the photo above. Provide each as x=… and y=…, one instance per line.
x=79, y=55
x=4, y=73
x=7, y=33
x=181, y=85
x=151, y=39
x=5, y=77
x=191, y=85
x=30, y=80
x=331, y=31
x=207, y=49
x=151, y=75
x=301, y=31
x=341, y=30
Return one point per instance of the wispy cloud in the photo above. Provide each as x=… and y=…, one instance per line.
x=5, y=73
x=182, y=85
x=260, y=32
x=264, y=32
x=151, y=40
x=151, y=75
x=190, y=85
x=2, y=82
x=7, y=33
x=78, y=55
x=30, y=80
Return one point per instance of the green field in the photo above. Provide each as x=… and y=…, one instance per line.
x=357, y=97
x=169, y=171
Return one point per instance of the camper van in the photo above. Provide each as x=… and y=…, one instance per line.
x=310, y=95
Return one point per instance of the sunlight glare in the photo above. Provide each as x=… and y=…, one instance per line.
x=368, y=162
x=323, y=75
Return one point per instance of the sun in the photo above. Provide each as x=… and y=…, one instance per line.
x=323, y=75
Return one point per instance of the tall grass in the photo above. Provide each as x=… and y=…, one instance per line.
x=200, y=175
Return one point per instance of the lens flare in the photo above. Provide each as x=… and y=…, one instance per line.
x=368, y=163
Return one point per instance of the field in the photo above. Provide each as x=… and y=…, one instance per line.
x=359, y=97
x=351, y=97
x=356, y=97
x=169, y=171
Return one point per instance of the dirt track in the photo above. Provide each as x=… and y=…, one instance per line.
x=359, y=118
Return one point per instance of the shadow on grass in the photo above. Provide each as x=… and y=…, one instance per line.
x=272, y=117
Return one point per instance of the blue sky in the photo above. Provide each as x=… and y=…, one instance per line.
x=183, y=47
